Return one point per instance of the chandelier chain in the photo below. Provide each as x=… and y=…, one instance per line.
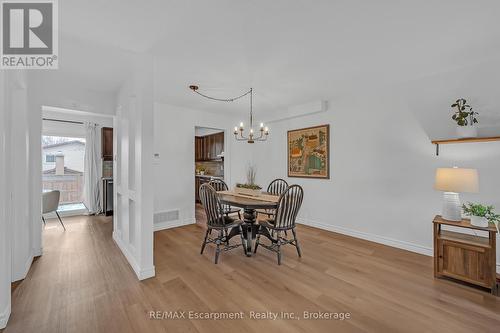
x=223, y=99
x=251, y=138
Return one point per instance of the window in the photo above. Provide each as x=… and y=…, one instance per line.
x=63, y=166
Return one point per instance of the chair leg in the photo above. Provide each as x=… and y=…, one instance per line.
x=243, y=240
x=204, y=241
x=226, y=234
x=297, y=246
x=60, y=220
x=217, y=252
x=256, y=243
x=43, y=219
x=279, y=247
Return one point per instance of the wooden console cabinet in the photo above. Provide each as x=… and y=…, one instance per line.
x=468, y=258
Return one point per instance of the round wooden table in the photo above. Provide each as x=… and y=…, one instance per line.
x=249, y=205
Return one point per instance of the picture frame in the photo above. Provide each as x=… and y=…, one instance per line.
x=308, y=152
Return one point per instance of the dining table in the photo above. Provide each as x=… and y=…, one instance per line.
x=249, y=204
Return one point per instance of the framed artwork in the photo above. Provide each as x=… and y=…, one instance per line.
x=309, y=152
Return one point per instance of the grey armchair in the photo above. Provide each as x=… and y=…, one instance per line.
x=50, y=203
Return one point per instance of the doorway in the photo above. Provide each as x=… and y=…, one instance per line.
x=209, y=153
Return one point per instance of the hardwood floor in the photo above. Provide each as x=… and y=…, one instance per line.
x=82, y=283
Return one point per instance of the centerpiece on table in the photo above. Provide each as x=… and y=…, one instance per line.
x=249, y=188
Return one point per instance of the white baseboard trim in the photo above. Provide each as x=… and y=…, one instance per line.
x=147, y=273
x=369, y=237
x=412, y=247
x=4, y=317
x=141, y=273
x=16, y=276
x=173, y=224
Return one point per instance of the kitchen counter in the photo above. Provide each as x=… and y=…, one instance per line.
x=209, y=176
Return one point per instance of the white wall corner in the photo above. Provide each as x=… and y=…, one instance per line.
x=4, y=316
x=173, y=224
x=369, y=237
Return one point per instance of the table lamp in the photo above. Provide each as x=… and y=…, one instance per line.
x=453, y=181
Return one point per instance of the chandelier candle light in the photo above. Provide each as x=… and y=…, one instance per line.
x=239, y=131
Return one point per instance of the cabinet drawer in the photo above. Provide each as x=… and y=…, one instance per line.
x=465, y=262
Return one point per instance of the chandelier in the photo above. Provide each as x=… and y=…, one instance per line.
x=239, y=131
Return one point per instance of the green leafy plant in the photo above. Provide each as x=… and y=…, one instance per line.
x=249, y=186
x=473, y=209
x=464, y=115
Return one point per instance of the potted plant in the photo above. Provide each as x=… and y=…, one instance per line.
x=201, y=170
x=465, y=118
x=480, y=215
x=250, y=188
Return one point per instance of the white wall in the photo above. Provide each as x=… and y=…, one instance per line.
x=5, y=188
x=20, y=207
x=22, y=177
x=55, y=89
x=382, y=169
x=174, y=129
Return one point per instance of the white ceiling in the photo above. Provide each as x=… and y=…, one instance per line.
x=291, y=52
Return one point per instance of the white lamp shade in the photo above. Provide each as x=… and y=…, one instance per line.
x=457, y=180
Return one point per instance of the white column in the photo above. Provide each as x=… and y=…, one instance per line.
x=133, y=142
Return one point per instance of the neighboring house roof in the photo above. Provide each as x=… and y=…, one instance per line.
x=64, y=144
x=67, y=171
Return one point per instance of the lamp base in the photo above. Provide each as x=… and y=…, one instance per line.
x=451, y=207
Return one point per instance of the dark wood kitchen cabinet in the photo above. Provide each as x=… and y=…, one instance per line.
x=198, y=148
x=209, y=147
x=107, y=143
x=218, y=143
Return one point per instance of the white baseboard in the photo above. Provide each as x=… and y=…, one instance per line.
x=173, y=224
x=147, y=273
x=412, y=247
x=370, y=237
x=4, y=317
x=141, y=273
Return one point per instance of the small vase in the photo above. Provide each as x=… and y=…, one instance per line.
x=464, y=132
x=479, y=221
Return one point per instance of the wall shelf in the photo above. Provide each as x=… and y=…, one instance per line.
x=468, y=140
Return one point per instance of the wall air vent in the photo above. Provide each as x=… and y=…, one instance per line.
x=167, y=216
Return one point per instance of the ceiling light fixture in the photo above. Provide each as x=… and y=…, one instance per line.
x=238, y=131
